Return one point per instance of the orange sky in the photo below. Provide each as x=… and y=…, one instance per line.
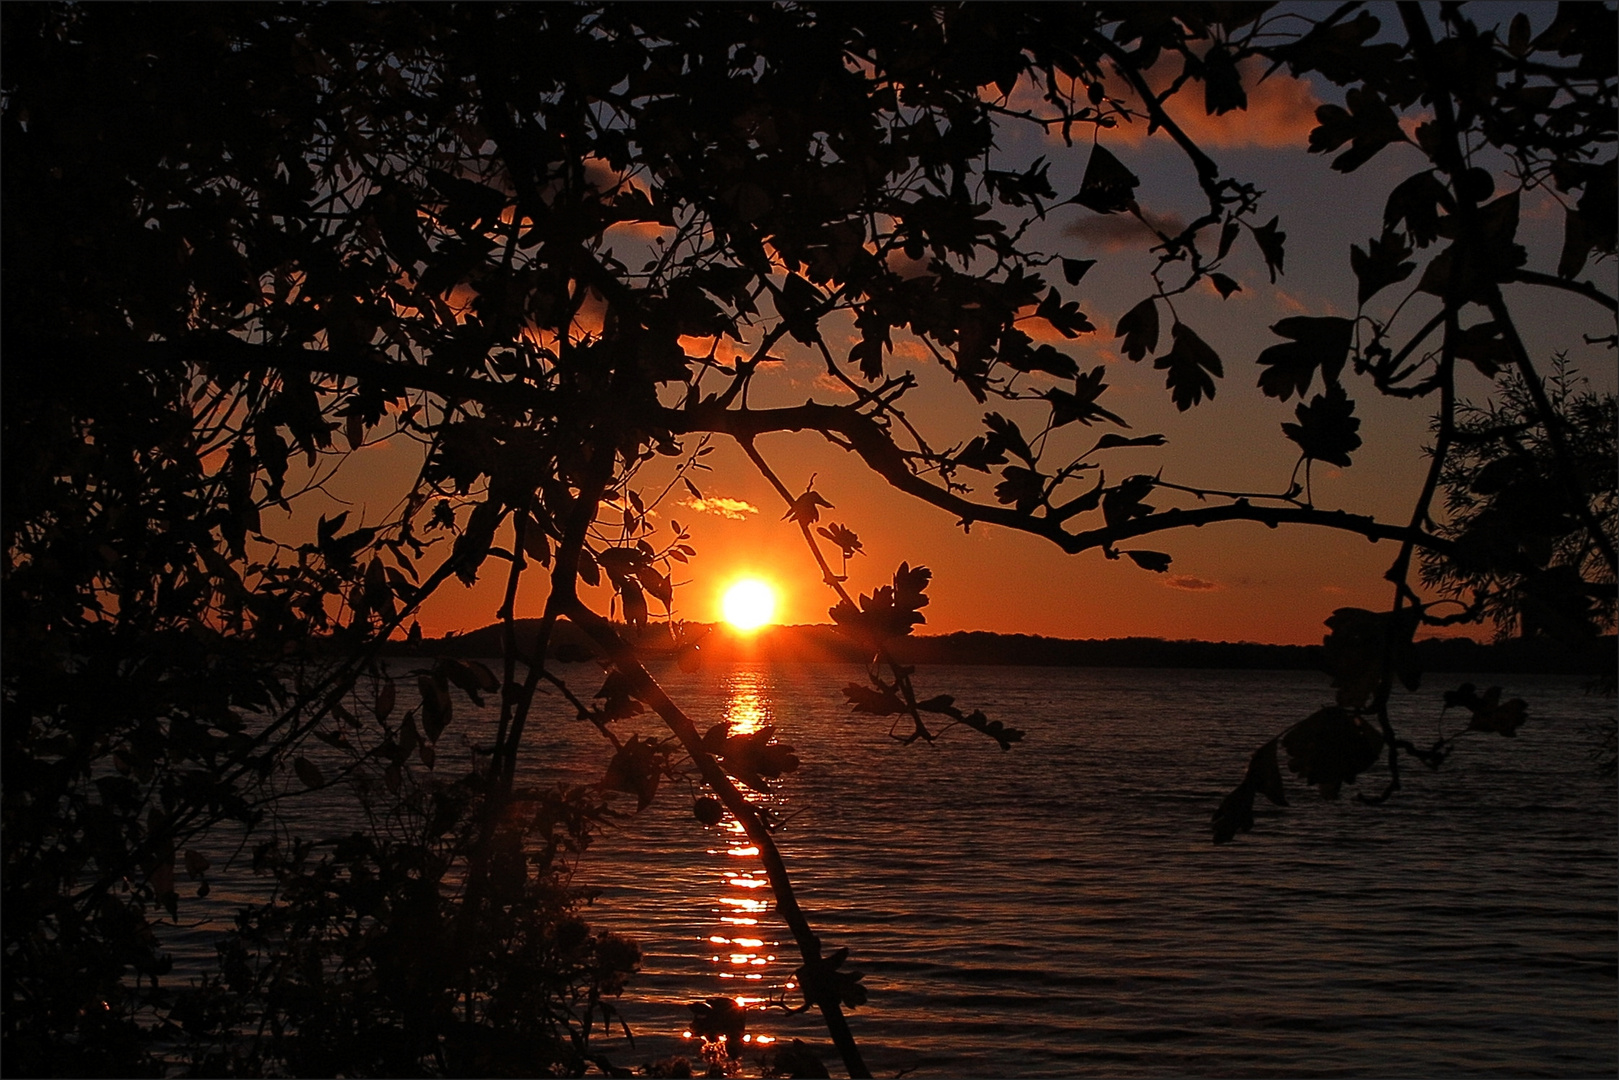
x=1234, y=582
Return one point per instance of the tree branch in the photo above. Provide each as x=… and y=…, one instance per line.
x=880, y=454
x=647, y=689
x=1581, y=288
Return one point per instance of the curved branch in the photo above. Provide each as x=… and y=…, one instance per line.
x=1271, y=517
x=863, y=434
x=880, y=454
x=647, y=689
x=1580, y=288
x=1208, y=172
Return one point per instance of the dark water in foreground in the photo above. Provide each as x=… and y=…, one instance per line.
x=1059, y=909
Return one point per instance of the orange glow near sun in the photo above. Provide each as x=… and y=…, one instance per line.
x=749, y=604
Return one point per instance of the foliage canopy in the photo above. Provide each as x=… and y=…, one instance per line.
x=244, y=241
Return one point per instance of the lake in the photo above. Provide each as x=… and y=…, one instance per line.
x=1059, y=909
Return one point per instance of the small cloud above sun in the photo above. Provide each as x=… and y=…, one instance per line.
x=749, y=604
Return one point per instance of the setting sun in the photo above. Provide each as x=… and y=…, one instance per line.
x=749, y=604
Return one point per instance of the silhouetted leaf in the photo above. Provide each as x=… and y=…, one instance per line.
x=1317, y=342
x=436, y=705
x=1235, y=813
x=1359, y=644
x=1484, y=347
x=1385, y=262
x=1122, y=504
x=1222, y=84
x=800, y=304
x=806, y=509
x=755, y=760
x=1112, y=439
x=1518, y=35
x=589, y=570
x=197, y=864
x=1577, y=243
x=472, y=676
x=1139, y=329
x=864, y=699
x=1225, y=285
x=386, y=695
x=1022, y=488
x=618, y=699
x=1066, y=319
x=635, y=770
x=634, y=600
x=655, y=583
x=1271, y=241
x=1074, y=269
x=821, y=981
x=1368, y=123
x=1490, y=713
x=1041, y=358
x=1156, y=561
x=891, y=610
x=1479, y=258
x=996, y=730
x=1327, y=427
x=1108, y=186
x=472, y=546
x=875, y=339
x=1081, y=405
x=844, y=538
x=1265, y=774
x=1190, y=363
x=1417, y=201
x=536, y=545
x=980, y=454
x=1005, y=435
x=308, y=773
x=1331, y=747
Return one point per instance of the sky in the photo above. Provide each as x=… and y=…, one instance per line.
x=1237, y=581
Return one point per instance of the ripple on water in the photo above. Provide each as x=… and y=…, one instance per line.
x=1059, y=910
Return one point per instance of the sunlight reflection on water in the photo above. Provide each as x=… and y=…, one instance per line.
x=747, y=705
x=747, y=965
x=1058, y=909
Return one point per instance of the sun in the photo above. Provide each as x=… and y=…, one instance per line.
x=749, y=604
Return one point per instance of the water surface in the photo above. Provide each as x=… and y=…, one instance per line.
x=1059, y=909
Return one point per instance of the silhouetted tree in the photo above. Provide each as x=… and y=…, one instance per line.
x=243, y=241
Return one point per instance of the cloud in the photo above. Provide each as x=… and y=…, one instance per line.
x=1188, y=583
x=1116, y=232
x=906, y=267
x=827, y=382
x=723, y=349
x=719, y=505
x=1288, y=301
x=1280, y=112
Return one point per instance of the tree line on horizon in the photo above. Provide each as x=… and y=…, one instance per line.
x=824, y=643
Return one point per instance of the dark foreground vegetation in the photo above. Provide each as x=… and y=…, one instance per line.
x=245, y=246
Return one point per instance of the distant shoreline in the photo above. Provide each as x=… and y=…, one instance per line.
x=812, y=644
